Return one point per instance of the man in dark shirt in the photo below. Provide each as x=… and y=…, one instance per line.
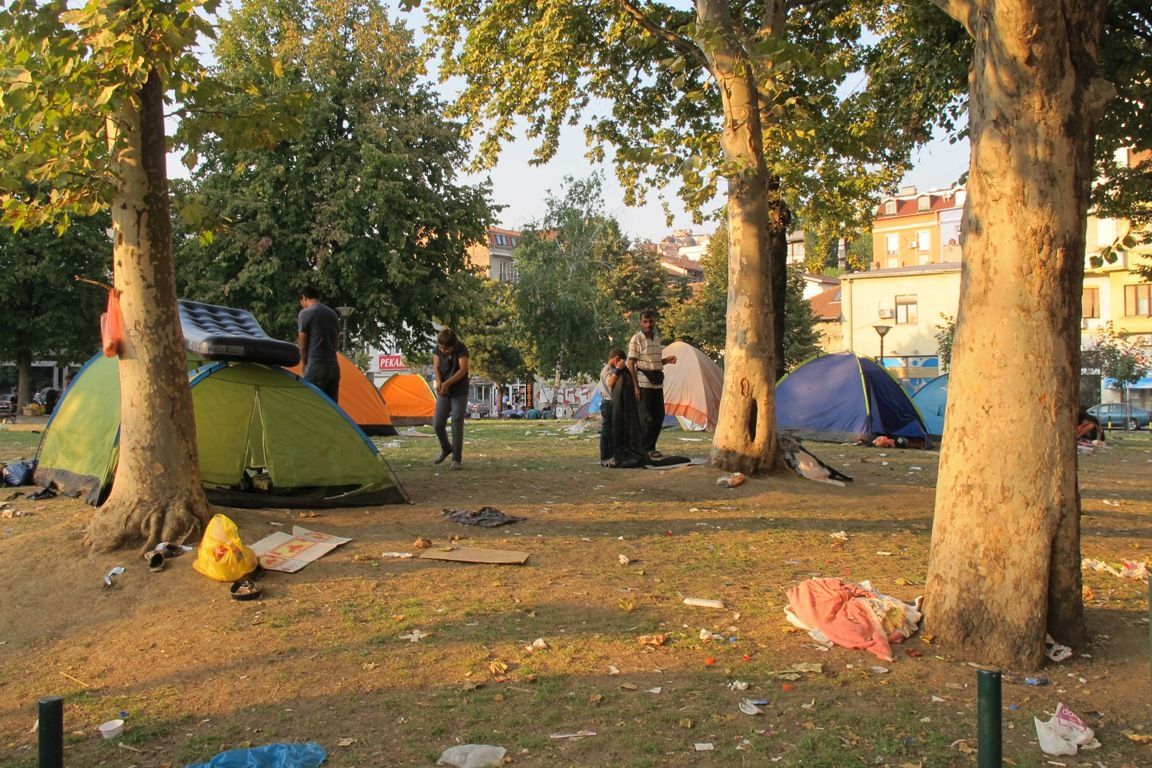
x=450, y=380
x=319, y=338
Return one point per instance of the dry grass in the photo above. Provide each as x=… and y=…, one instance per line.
x=320, y=656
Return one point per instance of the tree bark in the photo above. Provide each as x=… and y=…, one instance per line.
x=157, y=495
x=1005, y=558
x=746, y=426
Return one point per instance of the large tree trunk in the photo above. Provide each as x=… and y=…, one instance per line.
x=157, y=494
x=1005, y=559
x=746, y=427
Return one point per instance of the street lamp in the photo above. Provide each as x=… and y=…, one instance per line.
x=882, y=331
x=344, y=312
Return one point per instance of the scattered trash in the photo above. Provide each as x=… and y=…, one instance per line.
x=1055, y=651
x=485, y=517
x=306, y=755
x=575, y=735
x=708, y=635
x=1064, y=733
x=738, y=685
x=840, y=535
x=1129, y=569
x=748, y=708
x=421, y=543
x=653, y=640
x=111, y=575
x=539, y=644
x=704, y=746
x=657, y=689
x=1035, y=681
x=346, y=742
x=396, y=555
x=112, y=729
x=613, y=670
x=937, y=699
x=624, y=559
x=472, y=756
x=289, y=553
x=414, y=636
x=701, y=602
x=731, y=481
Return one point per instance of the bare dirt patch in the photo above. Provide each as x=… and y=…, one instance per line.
x=321, y=655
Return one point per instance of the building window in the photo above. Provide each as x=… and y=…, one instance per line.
x=906, y=310
x=1090, y=303
x=501, y=240
x=924, y=240
x=892, y=244
x=890, y=208
x=1138, y=300
x=923, y=203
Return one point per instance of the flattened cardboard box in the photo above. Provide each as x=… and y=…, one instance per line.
x=476, y=555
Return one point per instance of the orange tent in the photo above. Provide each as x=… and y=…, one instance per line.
x=410, y=399
x=360, y=400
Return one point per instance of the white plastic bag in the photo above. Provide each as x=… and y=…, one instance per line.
x=472, y=756
x=1064, y=733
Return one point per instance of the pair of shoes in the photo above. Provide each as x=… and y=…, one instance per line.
x=610, y=463
x=443, y=455
x=455, y=465
x=155, y=561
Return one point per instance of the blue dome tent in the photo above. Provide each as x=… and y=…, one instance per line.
x=931, y=401
x=845, y=398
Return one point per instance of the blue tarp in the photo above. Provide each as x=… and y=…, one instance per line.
x=307, y=755
x=931, y=400
x=845, y=397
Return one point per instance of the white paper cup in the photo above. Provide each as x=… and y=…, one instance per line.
x=112, y=729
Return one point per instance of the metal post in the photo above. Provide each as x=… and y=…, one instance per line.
x=52, y=732
x=988, y=710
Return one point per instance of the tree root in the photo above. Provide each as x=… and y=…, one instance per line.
x=146, y=523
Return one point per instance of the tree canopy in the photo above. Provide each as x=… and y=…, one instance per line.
x=566, y=319
x=364, y=201
x=47, y=314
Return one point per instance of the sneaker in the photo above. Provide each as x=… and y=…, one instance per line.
x=610, y=463
x=443, y=455
x=455, y=465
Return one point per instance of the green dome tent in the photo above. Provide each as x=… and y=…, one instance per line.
x=265, y=438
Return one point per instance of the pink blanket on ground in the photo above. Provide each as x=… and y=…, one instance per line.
x=841, y=612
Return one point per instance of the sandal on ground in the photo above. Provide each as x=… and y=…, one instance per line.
x=155, y=561
x=245, y=589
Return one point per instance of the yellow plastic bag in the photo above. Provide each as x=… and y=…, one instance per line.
x=222, y=556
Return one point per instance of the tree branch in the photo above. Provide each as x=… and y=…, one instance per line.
x=682, y=44
x=960, y=10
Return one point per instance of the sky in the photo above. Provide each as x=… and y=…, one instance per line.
x=521, y=187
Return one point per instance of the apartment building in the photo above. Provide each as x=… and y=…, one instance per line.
x=494, y=258
x=915, y=228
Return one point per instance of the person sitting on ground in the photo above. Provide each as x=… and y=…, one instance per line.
x=1088, y=429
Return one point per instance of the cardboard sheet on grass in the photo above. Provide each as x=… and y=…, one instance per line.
x=289, y=552
x=476, y=555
